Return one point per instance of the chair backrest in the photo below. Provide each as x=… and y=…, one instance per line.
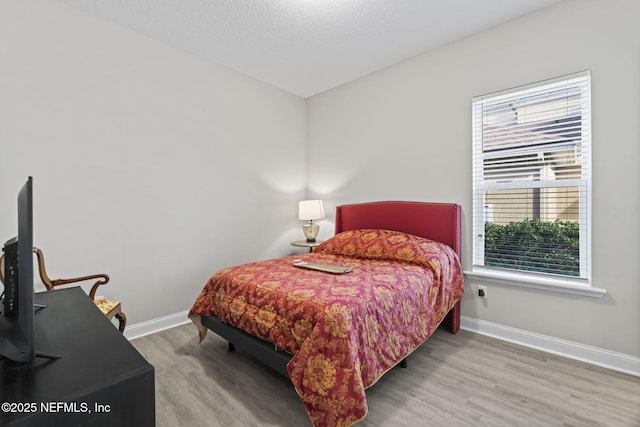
x=51, y=284
x=41, y=269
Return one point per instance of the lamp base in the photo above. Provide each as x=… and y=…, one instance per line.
x=310, y=231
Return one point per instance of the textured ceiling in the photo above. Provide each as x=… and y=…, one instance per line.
x=308, y=46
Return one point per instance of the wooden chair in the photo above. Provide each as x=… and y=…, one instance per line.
x=109, y=308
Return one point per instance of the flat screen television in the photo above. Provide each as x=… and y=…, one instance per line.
x=17, y=316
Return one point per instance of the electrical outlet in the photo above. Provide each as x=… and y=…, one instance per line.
x=482, y=291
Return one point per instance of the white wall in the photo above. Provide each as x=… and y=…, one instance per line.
x=159, y=168
x=405, y=133
x=149, y=164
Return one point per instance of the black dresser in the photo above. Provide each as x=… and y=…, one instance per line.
x=100, y=379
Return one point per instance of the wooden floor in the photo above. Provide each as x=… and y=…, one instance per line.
x=452, y=380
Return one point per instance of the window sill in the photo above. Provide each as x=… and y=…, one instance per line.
x=555, y=285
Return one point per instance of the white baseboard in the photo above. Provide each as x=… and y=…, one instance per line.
x=593, y=355
x=138, y=330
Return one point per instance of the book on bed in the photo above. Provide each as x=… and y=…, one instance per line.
x=327, y=268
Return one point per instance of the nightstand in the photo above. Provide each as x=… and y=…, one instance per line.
x=305, y=244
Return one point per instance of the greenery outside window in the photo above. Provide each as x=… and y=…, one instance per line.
x=532, y=180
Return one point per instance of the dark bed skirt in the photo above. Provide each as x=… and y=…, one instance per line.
x=262, y=350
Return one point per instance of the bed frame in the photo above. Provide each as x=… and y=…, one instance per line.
x=435, y=221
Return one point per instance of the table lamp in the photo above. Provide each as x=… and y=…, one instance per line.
x=308, y=210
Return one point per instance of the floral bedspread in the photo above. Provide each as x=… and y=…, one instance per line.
x=344, y=331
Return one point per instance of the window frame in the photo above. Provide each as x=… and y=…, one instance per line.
x=563, y=283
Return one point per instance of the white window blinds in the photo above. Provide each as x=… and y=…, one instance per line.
x=531, y=178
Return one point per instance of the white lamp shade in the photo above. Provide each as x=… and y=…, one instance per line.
x=310, y=210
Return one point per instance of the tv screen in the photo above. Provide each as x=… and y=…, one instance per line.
x=16, y=321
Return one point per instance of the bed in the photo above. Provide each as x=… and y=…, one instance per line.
x=335, y=335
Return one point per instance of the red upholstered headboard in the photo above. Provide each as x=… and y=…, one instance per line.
x=435, y=221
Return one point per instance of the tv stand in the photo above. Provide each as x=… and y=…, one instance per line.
x=99, y=378
x=42, y=355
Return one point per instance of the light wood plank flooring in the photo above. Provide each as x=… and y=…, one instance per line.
x=452, y=380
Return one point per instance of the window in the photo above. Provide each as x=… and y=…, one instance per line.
x=531, y=181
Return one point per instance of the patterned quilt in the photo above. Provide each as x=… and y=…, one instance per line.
x=344, y=331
